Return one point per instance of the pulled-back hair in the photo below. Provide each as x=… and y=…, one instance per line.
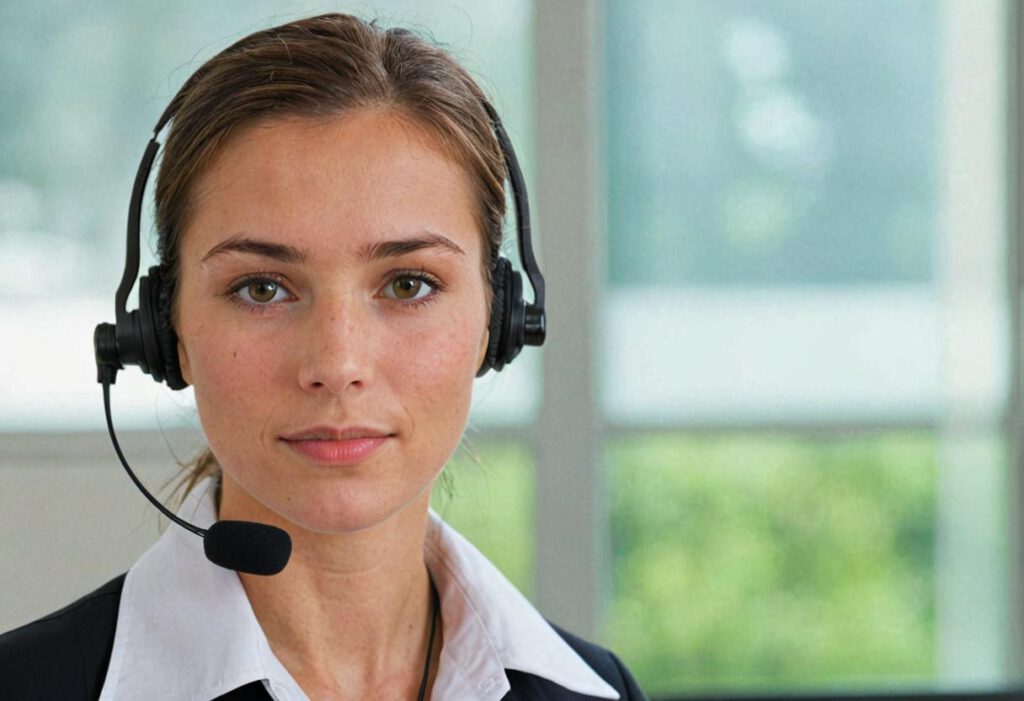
x=320, y=68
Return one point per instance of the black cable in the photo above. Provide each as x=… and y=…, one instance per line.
x=117, y=449
x=436, y=605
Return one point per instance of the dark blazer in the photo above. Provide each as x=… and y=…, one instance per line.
x=65, y=656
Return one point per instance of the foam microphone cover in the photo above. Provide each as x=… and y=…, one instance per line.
x=243, y=546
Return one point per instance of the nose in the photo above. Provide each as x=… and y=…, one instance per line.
x=337, y=339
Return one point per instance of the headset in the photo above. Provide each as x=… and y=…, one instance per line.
x=145, y=337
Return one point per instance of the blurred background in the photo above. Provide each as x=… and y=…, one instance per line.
x=771, y=445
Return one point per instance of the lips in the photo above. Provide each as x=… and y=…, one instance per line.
x=337, y=446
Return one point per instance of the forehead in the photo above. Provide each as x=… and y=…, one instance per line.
x=333, y=185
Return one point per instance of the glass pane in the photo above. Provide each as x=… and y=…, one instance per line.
x=755, y=143
x=793, y=235
x=774, y=209
x=76, y=119
x=486, y=493
x=767, y=562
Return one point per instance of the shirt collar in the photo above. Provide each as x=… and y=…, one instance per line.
x=185, y=629
x=489, y=626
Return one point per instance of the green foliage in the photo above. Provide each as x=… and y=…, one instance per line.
x=488, y=497
x=773, y=561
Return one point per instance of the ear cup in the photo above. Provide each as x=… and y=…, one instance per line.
x=167, y=339
x=499, y=293
x=508, y=317
x=144, y=342
x=159, y=341
x=514, y=334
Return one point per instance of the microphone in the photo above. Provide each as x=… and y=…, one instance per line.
x=256, y=548
x=243, y=546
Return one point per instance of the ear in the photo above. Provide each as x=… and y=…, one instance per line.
x=186, y=369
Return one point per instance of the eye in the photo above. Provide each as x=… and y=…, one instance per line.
x=259, y=291
x=409, y=287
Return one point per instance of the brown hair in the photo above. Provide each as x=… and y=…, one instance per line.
x=323, y=67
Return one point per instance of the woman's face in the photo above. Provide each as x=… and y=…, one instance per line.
x=331, y=317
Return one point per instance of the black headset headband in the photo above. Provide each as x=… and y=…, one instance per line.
x=536, y=328
x=524, y=324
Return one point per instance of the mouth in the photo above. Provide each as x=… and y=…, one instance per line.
x=330, y=446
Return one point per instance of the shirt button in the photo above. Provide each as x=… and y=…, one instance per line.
x=487, y=683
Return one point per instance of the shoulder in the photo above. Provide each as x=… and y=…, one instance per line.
x=65, y=654
x=601, y=660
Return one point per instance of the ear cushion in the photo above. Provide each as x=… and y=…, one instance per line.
x=513, y=335
x=145, y=335
x=165, y=339
x=499, y=295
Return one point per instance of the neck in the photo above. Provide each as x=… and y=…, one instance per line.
x=349, y=617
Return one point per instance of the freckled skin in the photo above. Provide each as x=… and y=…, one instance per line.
x=335, y=350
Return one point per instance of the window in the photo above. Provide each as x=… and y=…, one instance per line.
x=803, y=341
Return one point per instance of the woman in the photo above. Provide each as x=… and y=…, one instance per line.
x=329, y=209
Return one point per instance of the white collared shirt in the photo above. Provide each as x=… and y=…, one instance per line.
x=185, y=629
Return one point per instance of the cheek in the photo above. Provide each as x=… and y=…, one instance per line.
x=232, y=379
x=436, y=367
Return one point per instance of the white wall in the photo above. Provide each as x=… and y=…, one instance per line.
x=71, y=518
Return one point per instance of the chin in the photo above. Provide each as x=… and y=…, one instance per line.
x=348, y=510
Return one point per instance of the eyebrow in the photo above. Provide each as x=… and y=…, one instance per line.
x=246, y=244
x=426, y=239
x=370, y=252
